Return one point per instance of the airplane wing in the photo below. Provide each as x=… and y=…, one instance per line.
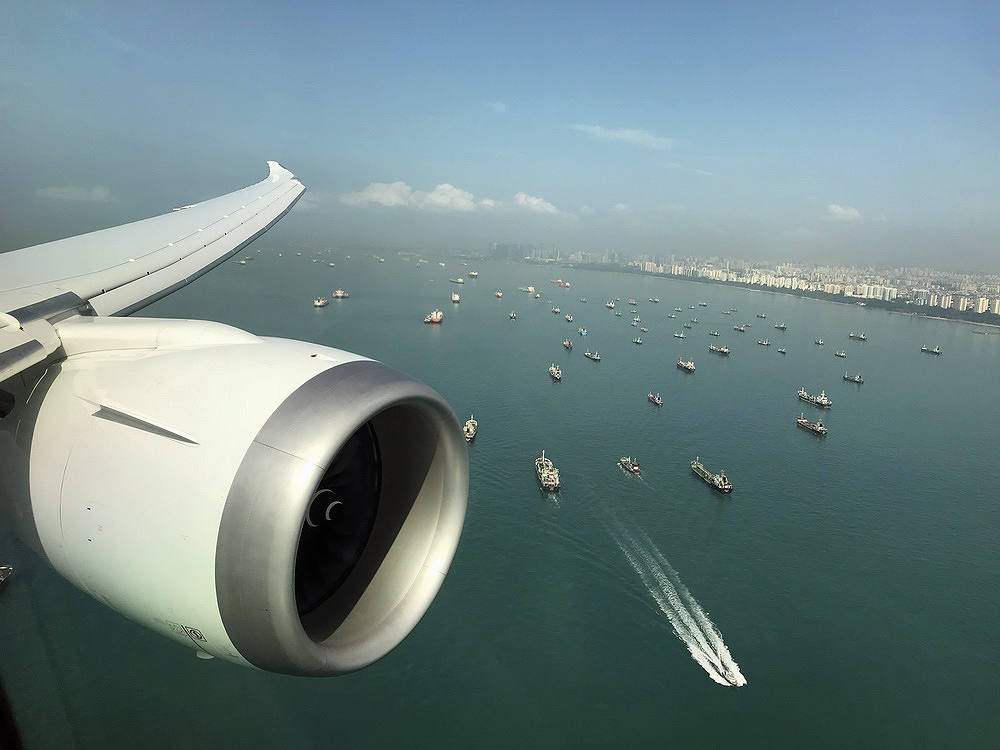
x=122, y=269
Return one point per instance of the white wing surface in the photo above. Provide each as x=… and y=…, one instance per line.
x=122, y=269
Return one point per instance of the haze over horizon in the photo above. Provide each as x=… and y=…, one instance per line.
x=848, y=134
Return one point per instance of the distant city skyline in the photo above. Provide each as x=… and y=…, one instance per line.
x=857, y=134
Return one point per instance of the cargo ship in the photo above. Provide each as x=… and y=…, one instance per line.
x=548, y=475
x=629, y=464
x=656, y=399
x=719, y=481
x=718, y=349
x=470, y=429
x=821, y=400
x=854, y=378
x=935, y=350
x=806, y=424
x=687, y=366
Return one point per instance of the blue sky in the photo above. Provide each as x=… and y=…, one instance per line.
x=849, y=133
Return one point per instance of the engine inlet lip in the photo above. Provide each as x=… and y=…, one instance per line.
x=270, y=497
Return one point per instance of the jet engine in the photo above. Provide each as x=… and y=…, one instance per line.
x=271, y=502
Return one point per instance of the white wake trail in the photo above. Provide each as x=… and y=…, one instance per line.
x=690, y=622
x=684, y=626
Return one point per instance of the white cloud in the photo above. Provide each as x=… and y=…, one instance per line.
x=534, y=204
x=622, y=209
x=836, y=212
x=499, y=107
x=78, y=194
x=443, y=198
x=641, y=138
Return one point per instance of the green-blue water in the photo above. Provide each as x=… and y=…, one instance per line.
x=855, y=579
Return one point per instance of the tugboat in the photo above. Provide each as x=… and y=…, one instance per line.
x=821, y=400
x=568, y=344
x=655, y=399
x=512, y=315
x=858, y=336
x=321, y=302
x=806, y=424
x=718, y=349
x=719, y=481
x=340, y=294
x=840, y=354
x=555, y=372
x=629, y=464
x=637, y=340
x=680, y=335
x=935, y=350
x=763, y=342
x=592, y=355
x=471, y=426
x=548, y=474
x=854, y=378
x=434, y=317
x=686, y=366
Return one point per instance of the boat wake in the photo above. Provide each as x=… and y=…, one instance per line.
x=690, y=622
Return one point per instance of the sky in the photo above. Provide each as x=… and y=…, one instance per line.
x=840, y=133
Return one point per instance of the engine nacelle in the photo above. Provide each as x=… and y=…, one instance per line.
x=271, y=502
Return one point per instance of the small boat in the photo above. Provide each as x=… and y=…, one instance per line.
x=610, y=304
x=455, y=298
x=555, y=372
x=782, y=351
x=633, y=324
x=459, y=280
x=512, y=315
x=741, y=329
x=687, y=366
x=548, y=474
x=680, y=335
x=568, y=344
x=821, y=400
x=687, y=325
x=854, y=378
x=655, y=399
x=618, y=313
x=819, y=342
x=474, y=274
x=471, y=426
x=806, y=424
x=840, y=353
x=702, y=304
x=761, y=315
x=321, y=302
x=719, y=481
x=637, y=340
x=582, y=331
x=935, y=350
x=632, y=302
x=858, y=336
x=727, y=312
x=671, y=315
x=694, y=320
x=713, y=333
x=583, y=299
x=763, y=342
x=556, y=310
x=629, y=464
x=592, y=355
x=5, y=573
x=538, y=295
x=636, y=319
x=499, y=294
x=781, y=326
x=718, y=349
x=654, y=299
x=644, y=329
x=340, y=294
x=569, y=318
x=434, y=317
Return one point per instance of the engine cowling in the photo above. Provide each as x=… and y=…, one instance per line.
x=271, y=502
